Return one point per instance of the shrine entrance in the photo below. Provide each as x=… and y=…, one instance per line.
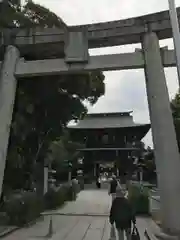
x=109, y=138
x=74, y=42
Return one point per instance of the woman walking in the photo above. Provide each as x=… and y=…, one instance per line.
x=112, y=187
x=122, y=215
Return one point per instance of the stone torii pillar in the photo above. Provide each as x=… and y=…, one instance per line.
x=164, y=136
x=7, y=96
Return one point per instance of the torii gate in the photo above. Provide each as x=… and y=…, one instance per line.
x=147, y=30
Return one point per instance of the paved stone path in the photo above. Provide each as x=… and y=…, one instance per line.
x=75, y=226
x=89, y=202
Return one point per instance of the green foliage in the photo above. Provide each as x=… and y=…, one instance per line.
x=149, y=161
x=43, y=105
x=175, y=106
x=64, y=151
x=70, y=192
x=139, y=198
x=31, y=14
x=57, y=197
x=41, y=16
x=54, y=199
x=24, y=208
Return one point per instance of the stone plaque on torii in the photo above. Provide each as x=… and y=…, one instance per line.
x=75, y=42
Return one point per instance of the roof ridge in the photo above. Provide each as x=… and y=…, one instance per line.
x=109, y=114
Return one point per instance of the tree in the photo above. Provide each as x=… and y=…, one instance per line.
x=64, y=149
x=149, y=160
x=29, y=15
x=44, y=105
x=149, y=165
x=63, y=152
x=175, y=106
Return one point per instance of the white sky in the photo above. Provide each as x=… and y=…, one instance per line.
x=125, y=90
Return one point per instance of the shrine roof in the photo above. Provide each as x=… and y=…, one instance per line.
x=107, y=120
x=108, y=149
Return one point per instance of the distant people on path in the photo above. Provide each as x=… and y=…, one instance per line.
x=112, y=187
x=75, y=185
x=98, y=182
x=121, y=214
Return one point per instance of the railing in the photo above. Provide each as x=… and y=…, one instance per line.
x=155, y=205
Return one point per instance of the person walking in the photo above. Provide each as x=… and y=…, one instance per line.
x=74, y=183
x=98, y=182
x=122, y=215
x=112, y=187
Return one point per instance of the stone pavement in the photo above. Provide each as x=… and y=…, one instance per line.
x=89, y=202
x=92, y=224
x=4, y=230
x=72, y=228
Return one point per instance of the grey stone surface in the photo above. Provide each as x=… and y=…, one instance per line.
x=7, y=97
x=75, y=227
x=164, y=136
x=89, y=202
x=58, y=66
x=103, y=62
x=154, y=232
x=4, y=230
x=76, y=46
x=113, y=33
x=72, y=228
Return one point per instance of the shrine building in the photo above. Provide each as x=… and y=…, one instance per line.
x=108, y=138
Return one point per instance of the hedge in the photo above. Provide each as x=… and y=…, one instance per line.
x=23, y=208
x=27, y=206
x=139, y=198
x=57, y=197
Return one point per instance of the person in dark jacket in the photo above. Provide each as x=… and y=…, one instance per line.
x=112, y=187
x=98, y=182
x=122, y=215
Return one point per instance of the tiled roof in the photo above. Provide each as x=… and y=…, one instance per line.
x=107, y=120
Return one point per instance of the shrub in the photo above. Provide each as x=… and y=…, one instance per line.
x=71, y=191
x=54, y=198
x=139, y=198
x=23, y=208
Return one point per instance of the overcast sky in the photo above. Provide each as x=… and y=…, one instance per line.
x=125, y=90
